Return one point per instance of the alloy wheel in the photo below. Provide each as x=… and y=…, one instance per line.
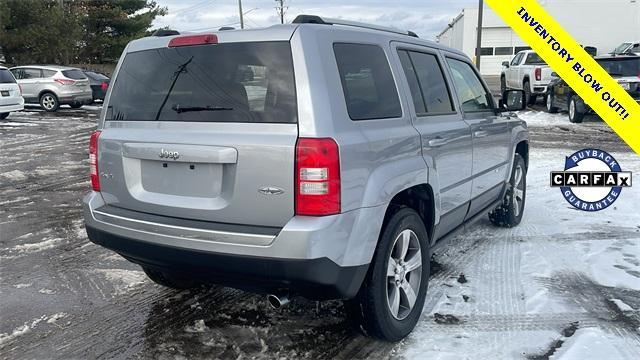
x=404, y=273
x=48, y=102
x=517, y=196
x=572, y=109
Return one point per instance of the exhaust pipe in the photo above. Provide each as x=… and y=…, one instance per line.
x=276, y=301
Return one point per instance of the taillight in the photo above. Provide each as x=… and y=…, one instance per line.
x=317, y=177
x=64, y=81
x=104, y=86
x=193, y=40
x=93, y=160
x=538, y=74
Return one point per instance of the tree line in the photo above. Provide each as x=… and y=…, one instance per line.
x=72, y=31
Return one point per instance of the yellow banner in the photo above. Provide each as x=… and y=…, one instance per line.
x=577, y=68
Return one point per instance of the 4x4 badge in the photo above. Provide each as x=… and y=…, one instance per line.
x=269, y=190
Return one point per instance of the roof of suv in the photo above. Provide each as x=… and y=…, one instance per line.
x=285, y=33
x=617, y=56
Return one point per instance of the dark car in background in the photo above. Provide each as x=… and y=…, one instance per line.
x=99, y=84
x=623, y=68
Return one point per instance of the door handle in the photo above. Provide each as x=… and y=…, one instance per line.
x=437, y=142
x=480, y=134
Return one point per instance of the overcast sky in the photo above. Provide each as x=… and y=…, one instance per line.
x=425, y=17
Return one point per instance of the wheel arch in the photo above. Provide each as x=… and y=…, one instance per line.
x=419, y=198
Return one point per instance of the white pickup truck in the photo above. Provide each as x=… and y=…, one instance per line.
x=526, y=71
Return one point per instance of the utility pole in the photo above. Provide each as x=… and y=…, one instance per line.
x=241, y=15
x=280, y=10
x=479, y=34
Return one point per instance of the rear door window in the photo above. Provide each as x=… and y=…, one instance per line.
x=369, y=88
x=229, y=82
x=6, y=77
x=26, y=73
x=432, y=83
x=48, y=73
x=74, y=74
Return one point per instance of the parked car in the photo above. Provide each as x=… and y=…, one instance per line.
x=526, y=71
x=10, y=94
x=629, y=47
x=624, y=68
x=99, y=84
x=52, y=86
x=330, y=184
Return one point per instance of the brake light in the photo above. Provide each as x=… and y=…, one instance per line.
x=193, y=40
x=317, y=177
x=538, y=74
x=104, y=86
x=64, y=81
x=93, y=160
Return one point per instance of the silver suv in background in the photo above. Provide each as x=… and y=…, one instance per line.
x=52, y=86
x=10, y=94
x=321, y=158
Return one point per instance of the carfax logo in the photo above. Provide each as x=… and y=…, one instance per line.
x=592, y=180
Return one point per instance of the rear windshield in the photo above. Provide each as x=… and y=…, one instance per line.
x=6, y=77
x=74, y=74
x=534, y=59
x=96, y=76
x=234, y=82
x=621, y=66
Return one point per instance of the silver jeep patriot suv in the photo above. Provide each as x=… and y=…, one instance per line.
x=322, y=158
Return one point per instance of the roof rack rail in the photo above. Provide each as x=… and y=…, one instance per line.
x=314, y=19
x=165, y=32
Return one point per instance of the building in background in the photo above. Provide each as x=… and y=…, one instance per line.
x=603, y=24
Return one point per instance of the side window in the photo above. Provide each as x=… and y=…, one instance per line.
x=412, y=79
x=48, y=73
x=516, y=60
x=432, y=83
x=17, y=73
x=31, y=74
x=471, y=94
x=369, y=89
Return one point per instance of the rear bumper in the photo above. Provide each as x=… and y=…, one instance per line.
x=11, y=108
x=83, y=98
x=318, y=279
x=318, y=257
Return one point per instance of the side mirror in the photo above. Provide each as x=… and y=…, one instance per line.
x=505, y=64
x=554, y=74
x=512, y=100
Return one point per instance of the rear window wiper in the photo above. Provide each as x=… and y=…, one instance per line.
x=181, y=109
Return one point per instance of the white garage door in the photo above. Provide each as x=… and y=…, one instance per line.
x=502, y=40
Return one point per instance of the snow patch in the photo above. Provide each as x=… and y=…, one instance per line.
x=123, y=280
x=621, y=305
x=46, y=291
x=19, y=331
x=198, y=327
x=590, y=343
x=20, y=286
x=39, y=246
x=16, y=175
x=55, y=317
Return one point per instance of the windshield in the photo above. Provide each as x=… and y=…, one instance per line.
x=621, y=66
x=621, y=48
x=234, y=82
x=534, y=59
x=6, y=77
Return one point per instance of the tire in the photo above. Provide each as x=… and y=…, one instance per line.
x=3, y=115
x=503, y=86
x=75, y=105
x=371, y=310
x=509, y=214
x=575, y=116
x=529, y=98
x=550, y=108
x=167, y=279
x=49, y=102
